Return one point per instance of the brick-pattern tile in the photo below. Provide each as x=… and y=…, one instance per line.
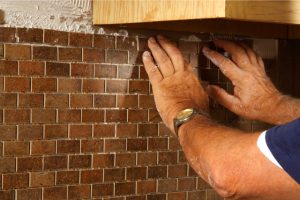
x=79, y=119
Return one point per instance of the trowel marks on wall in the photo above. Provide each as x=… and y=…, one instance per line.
x=66, y=15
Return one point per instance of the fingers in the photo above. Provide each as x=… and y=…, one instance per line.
x=238, y=53
x=161, y=58
x=222, y=97
x=173, y=52
x=251, y=54
x=228, y=68
x=152, y=70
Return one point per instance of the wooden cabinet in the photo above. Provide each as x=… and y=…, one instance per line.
x=263, y=18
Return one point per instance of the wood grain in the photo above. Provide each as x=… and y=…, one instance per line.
x=134, y=11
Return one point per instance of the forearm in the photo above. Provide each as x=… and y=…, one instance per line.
x=225, y=158
x=286, y=110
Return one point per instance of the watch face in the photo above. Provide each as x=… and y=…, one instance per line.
x=185, y=113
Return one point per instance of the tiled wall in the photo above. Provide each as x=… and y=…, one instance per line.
x=78, y=120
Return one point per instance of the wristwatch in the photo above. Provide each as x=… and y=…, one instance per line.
x=185, y=116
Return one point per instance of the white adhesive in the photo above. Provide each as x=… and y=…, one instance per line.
x=64, y=15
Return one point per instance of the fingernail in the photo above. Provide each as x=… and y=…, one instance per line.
x=205, y=50
x=160, y=37
x=152, y=40
x=146, y=54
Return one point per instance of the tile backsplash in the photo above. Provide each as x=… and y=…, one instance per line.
x=78, y=119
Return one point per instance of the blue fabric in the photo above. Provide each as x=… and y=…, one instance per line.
x=284, y=143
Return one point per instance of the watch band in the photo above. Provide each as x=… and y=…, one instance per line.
x=178, y=122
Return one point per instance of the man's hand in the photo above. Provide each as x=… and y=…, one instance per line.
x=174, y=84
x=255, y=97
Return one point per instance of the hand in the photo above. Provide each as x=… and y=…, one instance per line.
x=255, y=97
x=175, y=86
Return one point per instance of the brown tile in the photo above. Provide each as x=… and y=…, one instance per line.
x=68, y=146
x=104, y=130
x=28, y=194
x=202, y=185
x=80, y=131
x=12, y=181
x=44, y=85
x=127, y=101
x=54, y=193
x=81, y=39
x=147, y=158
x=55, y=162
x=128, y=72
x=167, y=185
x=137, y=115
x=154, y=116
x=80, y=161
x=116, y=116
x=116, y=56
x=213, y=195
x=81, y=100
x=187, y=46
x=69, y=85
x=95, y=146
x=7, y=34
x=167, y=158
x=57, y=69
x=114, y=175
x=30, y=35
x=116, y=86
x=197, y=195
x=69, y=115
x=105, y=71
x=141, y=197
x=146, y=186
x=158, y=144
x=156, y=197
x=7, y=194
x=103, y=160
x=41, y=147
x=93, y=85
x=157, y=172
x=7, y=165
x=125, y=159
x=29, y=164
x=176, y=196
x=8, y=100
x=147, y=130
x=137, y=144
x=79, y=191
x=43, y=115
x=93, y=55
x=67, y=177
x=44, y=53
x=17, y=84
x=91, y=176
x=136, y=173
x=115, y=145
x=42, y=179
x=31, y=100
x=105, y=189
x=56, y=131
x=125, y=188
x=17, y=52
x=128, y=43
x=8, y=67
x=8, y=132
x=16, y=148
x=57, y=100
x=90, y=115
x=56, y=37
x=104, y=41
x=126, y=130
x=105, y=101
x=141, y=87
x=146, y=101
x=177, y=171
x=187, y=184
x=82, y=69
x=70, y=54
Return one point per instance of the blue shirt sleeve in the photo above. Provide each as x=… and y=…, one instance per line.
x=284, y=143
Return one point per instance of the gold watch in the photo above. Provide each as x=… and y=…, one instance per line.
x=185, y=116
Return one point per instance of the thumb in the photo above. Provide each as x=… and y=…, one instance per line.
x=222, y=97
